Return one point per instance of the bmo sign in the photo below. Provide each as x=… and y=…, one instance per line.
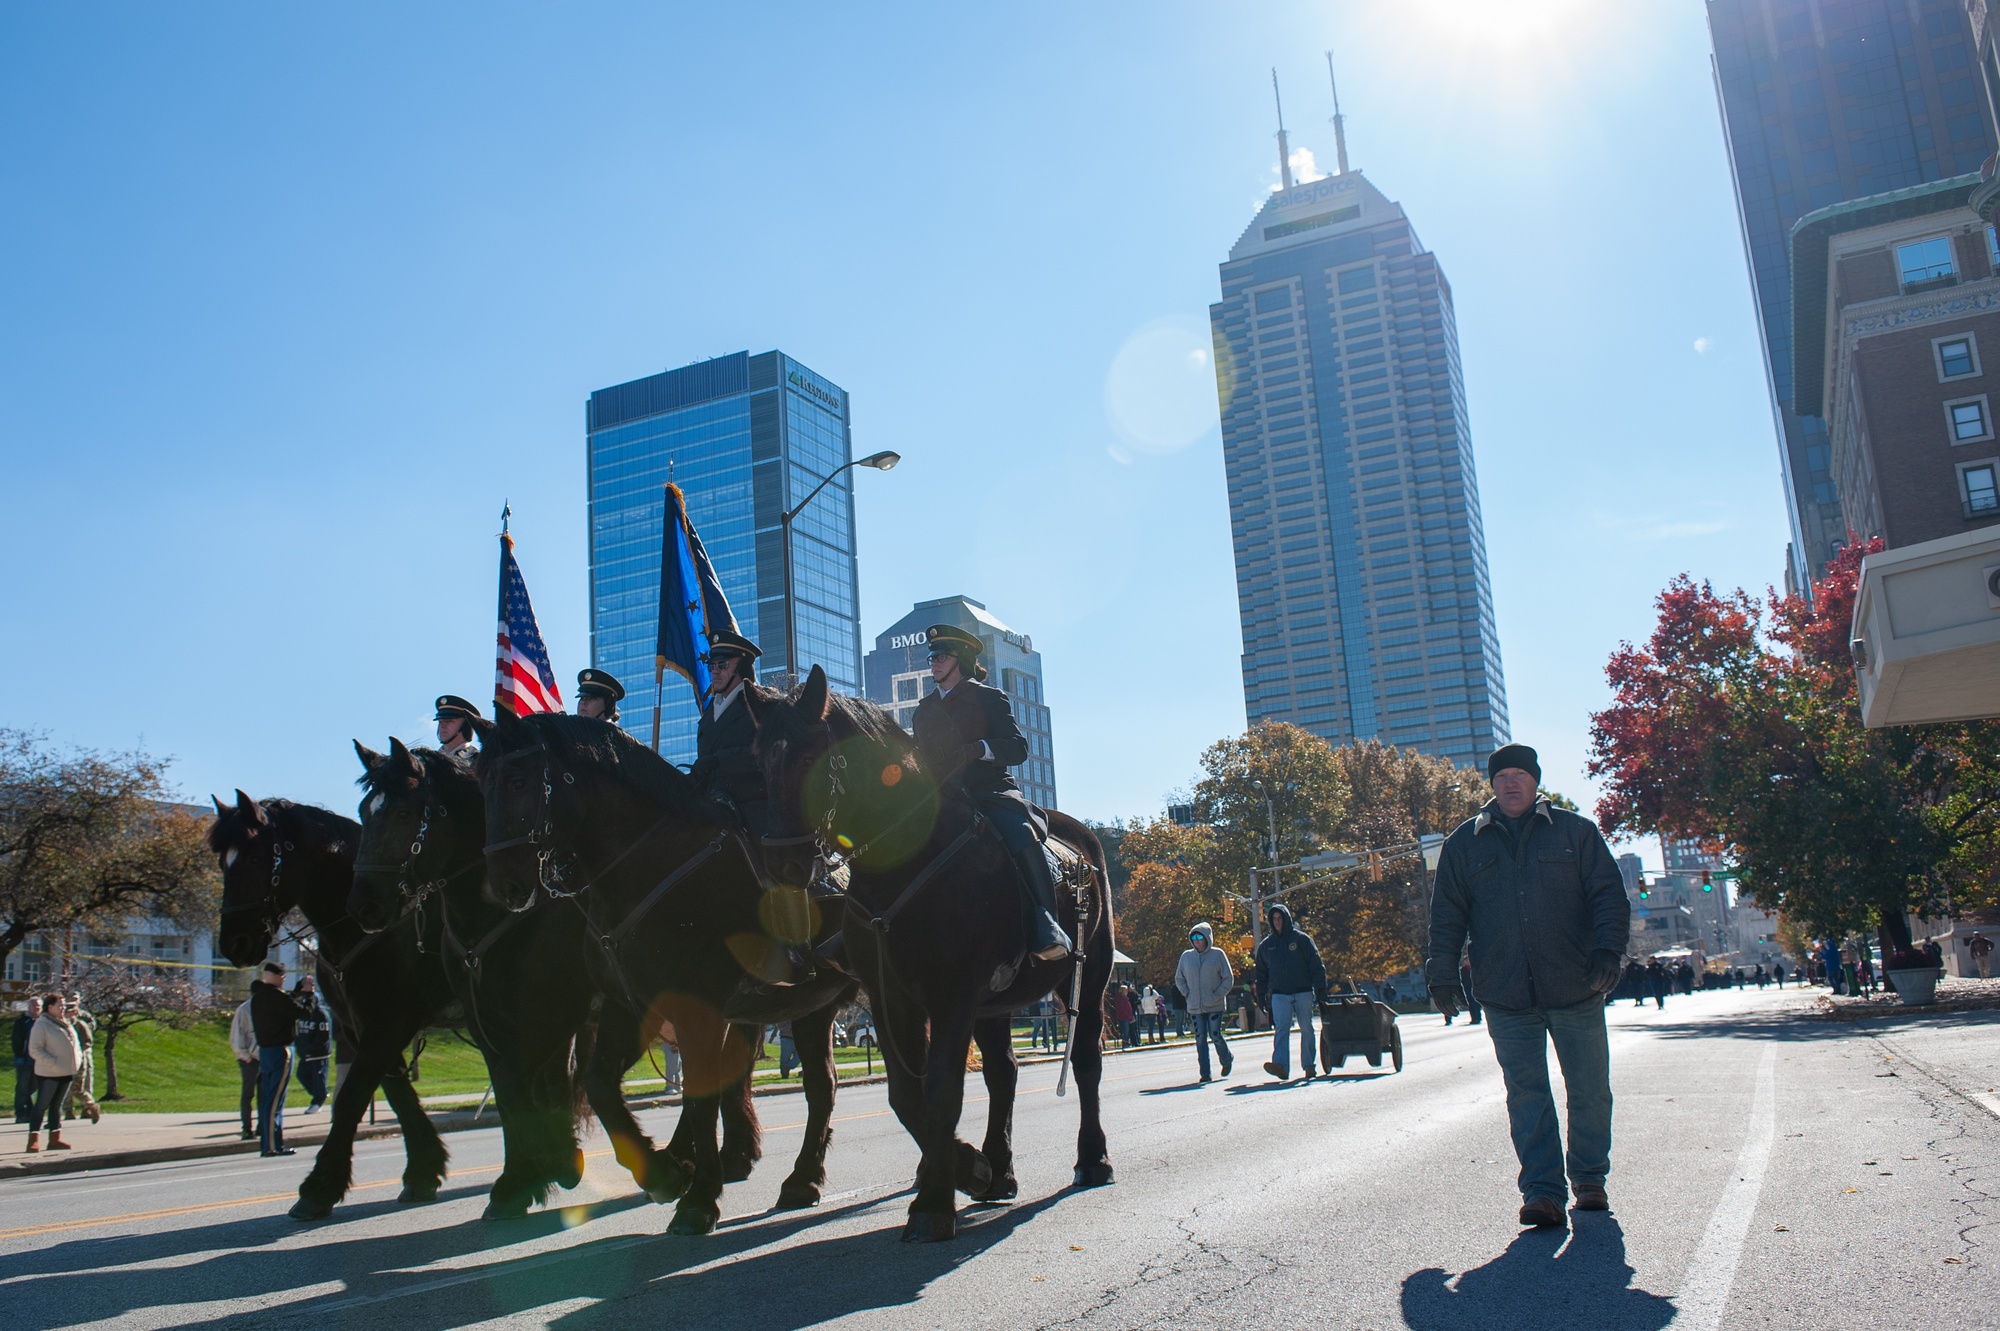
x=899, y=641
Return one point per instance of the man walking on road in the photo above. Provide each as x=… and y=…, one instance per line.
x=1204, y=979
x=1291, y=980
x=274, y=1018
x=1536, y=890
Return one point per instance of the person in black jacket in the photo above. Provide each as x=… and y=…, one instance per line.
x=966, y=728
x=724, y=766
x=1290, y=979
x=1535, y=889
x=312, y=1046
x=24, y=1066
x=274, y=1017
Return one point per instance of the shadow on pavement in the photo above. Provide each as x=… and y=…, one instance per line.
x=1798, y=1026
x=1541, y=1280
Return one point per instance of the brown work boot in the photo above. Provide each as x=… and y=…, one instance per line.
x=34, y=1141
x=96, y=1114
x=1542, y=1213
x=1590, y=1197
x=56, y=1143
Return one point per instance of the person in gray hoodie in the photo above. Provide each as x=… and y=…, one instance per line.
x=1204, y=979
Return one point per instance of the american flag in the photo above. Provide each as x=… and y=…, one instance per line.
x=525, y=682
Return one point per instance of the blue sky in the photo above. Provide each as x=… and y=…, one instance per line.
x=291, y=299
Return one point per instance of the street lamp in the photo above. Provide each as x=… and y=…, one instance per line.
x=882, y=461
x=1256, y=901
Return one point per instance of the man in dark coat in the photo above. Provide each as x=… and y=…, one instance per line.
x=1290, y=979
x=274, y=1019
x=24, y=1066
x=724, y=766
x=1535, y=889
x=966, y=728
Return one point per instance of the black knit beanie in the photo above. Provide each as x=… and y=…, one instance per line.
x=1514, y=755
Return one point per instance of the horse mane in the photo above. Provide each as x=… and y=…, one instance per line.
x=434, y=762
x=588, y=741
x=330, y=829
x=872, y=722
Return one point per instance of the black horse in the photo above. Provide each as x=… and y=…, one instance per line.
x=680, y=928
x=383, y=988
x=422, y=844
x=933, y=928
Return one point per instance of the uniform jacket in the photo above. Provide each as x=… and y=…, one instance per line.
x=52, y=1044
x=722, y=756
x=1204, y=978
x=1534, y=910
x=1288, y=961
x=315, y=1031
x=946, y=723
x=274, y=1016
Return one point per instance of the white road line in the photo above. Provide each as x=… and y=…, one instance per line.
x=1705, y=1287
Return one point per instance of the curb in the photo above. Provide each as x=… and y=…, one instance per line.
x=446, y=1121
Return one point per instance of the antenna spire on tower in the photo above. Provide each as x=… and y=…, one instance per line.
x=1339, y=121
x=1284, y=148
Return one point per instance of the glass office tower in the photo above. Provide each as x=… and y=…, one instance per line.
x=1360, y=554
x=1825, y=101
x=746, y=438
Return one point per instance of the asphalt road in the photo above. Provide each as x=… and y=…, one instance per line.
x=1767, y=1171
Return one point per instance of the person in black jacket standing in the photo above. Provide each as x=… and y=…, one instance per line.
x=313, y=1044
x=1290, y=979
x=1536, y=890
x=966, y=728
x=274, y=1017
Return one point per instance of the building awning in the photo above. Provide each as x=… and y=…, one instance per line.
x=1812, y=238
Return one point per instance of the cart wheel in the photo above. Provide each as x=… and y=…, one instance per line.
x=1396, y=1047
x=1375, y=1059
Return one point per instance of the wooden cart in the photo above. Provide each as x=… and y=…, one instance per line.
x=1353, y=1025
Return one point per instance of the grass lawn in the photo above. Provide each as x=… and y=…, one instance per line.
x=163, y=1071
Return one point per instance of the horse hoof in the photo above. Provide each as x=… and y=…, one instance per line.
x=515, y=1208
x=1004, y=1188
x=308, y=1208
x=1093, y=1176
x=930, y=1227
x=735, y=1171
x=973, y=1173
x=416, y=1194
x=797, y=1196
x=694, y=1221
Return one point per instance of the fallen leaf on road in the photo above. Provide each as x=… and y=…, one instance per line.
x=1886, y=1173
x=1039, y=1279
x=1871, y=1162
x=1073, y=1247
x=1954, y=1261
x=1782, y=1229
x=1909, y=1157
x=1850, y=1190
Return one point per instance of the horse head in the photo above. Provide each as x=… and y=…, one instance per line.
x=841, y=771
x=403, y=855
x=251, y=849
x=534, y=810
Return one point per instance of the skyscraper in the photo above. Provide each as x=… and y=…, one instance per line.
x=745, y=437
x=1361, y=573
x=899, y=675
x=1825, y=101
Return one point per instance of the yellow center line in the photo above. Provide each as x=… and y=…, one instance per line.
x=168, y=1212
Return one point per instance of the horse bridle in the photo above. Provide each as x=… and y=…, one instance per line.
x=414, y=895
x=550, y=872
x=266, y=906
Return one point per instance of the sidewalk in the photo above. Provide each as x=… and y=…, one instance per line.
x=123, y=1140
x=1954, y=994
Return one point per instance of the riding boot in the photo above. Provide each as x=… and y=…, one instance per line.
x=1046, y=939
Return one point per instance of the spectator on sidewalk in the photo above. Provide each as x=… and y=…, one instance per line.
x=1981, y=948
x=80, y=1103
x=1536, y=892
x=1657, y=983
x=1159, y=1003
x=1778, y=973
x=243, y=1044
x=1203, y=980
x=1472, y=1008
x=1121, y=1014
x=788, y=1050
x=274, y=1020
x=313, y=1050
x=52, y=1047
x=1290, y=979
x=1044, y=1035
x=1177, y=1005
x=24, y=1067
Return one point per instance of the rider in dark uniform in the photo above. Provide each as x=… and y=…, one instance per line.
x=966, y=728
x=454, y=718
x=723, y=763
x=598, y=694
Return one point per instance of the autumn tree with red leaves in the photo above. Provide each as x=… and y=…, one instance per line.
x=1749, y=738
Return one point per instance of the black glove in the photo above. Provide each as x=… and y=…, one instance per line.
x=1605, y=968
x=972, y=753
x=1447, y=999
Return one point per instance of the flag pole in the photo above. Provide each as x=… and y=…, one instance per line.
x=506, y=512
x=659, y=696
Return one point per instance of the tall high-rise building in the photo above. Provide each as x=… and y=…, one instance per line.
x=746, y=438
x=1825, y=101
x=1361, y=572
x=899, y=675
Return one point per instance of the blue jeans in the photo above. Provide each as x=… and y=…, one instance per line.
x=1521, y=1042
x=1208, y=1026
x=1286, y=1008
x=274, y=1078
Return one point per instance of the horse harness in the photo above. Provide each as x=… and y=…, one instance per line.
x=413, y=895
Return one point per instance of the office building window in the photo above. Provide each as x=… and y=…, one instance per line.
x=1925, y=262
x=1956, y=358
x=1993, y=249
x=1978, y=490
x=1970, y=420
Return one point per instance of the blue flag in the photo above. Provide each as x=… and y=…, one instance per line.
x=691, y=604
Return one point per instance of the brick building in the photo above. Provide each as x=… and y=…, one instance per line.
x=1896, y=343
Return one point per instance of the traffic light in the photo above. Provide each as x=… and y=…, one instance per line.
x=1645, y=893
x=1707, y=881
